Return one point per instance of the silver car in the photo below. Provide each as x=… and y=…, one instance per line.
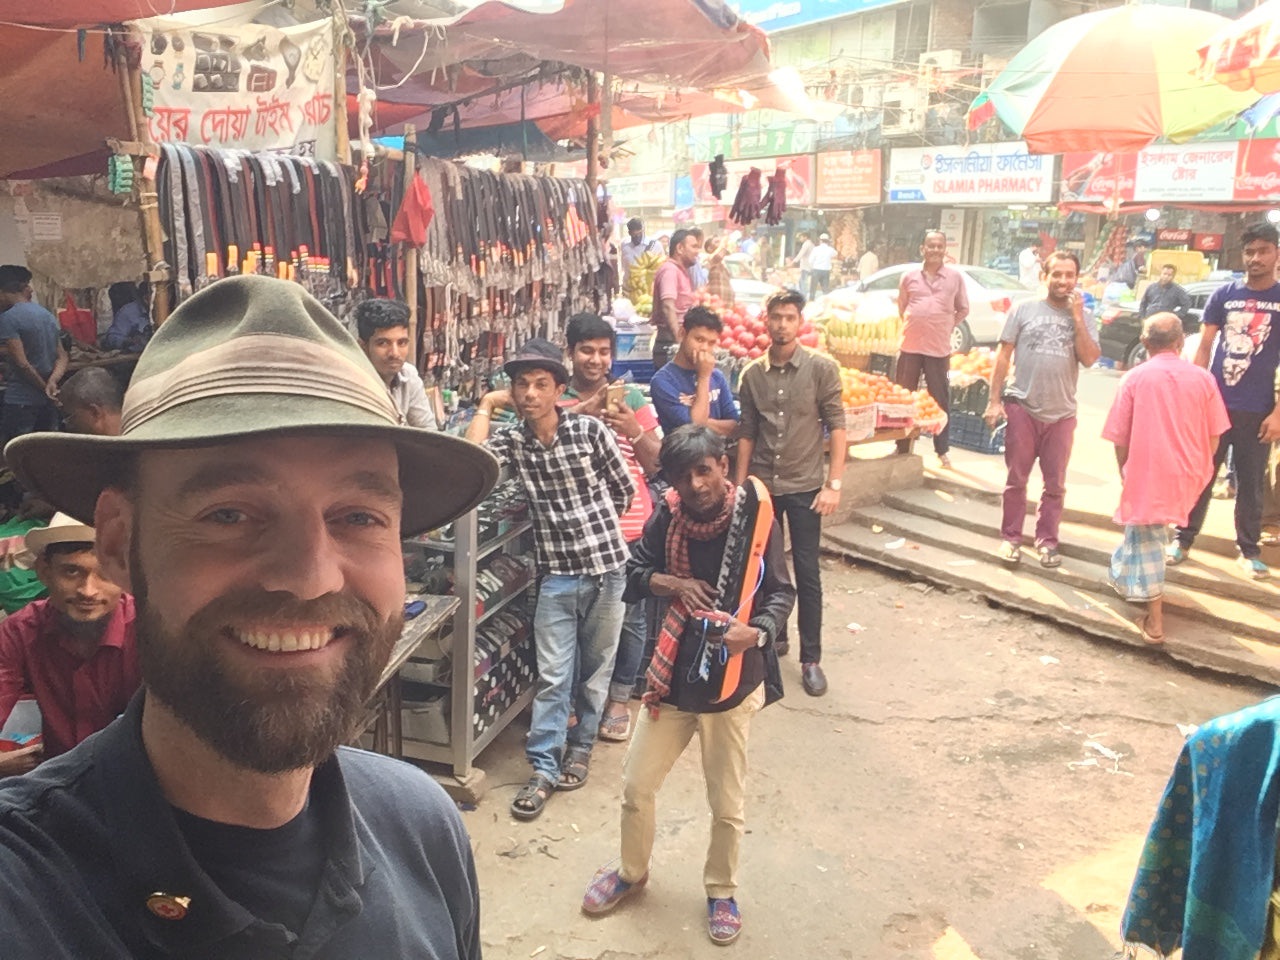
x=991, y=295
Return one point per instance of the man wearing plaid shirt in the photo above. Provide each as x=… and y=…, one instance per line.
x=578, y=487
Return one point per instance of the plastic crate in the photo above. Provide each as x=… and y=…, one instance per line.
x=970, y=432
x=641, y=371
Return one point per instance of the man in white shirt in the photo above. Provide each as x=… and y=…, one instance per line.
x=1029, y=265
x=383, y=328
x=804, y=260
x=820, y=266
x=635, y=247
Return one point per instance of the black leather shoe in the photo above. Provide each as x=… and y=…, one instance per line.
x=781, y=647
x=815, y=681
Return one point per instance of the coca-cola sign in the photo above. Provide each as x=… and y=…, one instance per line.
x=1207, y=242
x=1173, y=236
x=1258, y=170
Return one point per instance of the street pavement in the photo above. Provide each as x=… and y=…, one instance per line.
x=977, y=784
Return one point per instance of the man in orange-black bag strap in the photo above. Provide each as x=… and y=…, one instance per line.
x=697, y=537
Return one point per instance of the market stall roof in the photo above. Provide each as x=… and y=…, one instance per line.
x=693, y=43
x=89, y=13
x=58, y=106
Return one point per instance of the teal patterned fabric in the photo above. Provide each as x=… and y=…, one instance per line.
x=1207, y=869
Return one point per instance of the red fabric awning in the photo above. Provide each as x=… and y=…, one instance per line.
x=687, y=43
x=89, y=13
x=55, y=106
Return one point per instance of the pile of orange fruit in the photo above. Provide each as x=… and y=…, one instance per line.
x=927, y=408
x=860, y=389
x=977, y=363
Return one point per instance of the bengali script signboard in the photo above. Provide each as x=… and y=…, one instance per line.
x=981, y=173
x=849, y=177
x=1215, y=172
x=249, y=87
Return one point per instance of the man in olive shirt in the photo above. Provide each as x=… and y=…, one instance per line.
x=788, y=396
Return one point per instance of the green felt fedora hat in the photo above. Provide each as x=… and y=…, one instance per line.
x=247, y=357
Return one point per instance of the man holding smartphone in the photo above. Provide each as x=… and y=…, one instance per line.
x=1050, y=340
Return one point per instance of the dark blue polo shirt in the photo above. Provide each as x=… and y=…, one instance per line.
x=87, y=838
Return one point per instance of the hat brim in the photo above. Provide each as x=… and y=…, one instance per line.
x=514, y=368
x=441, y=476
x=39, y=538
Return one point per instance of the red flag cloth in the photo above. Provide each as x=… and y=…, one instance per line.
x=416, y=212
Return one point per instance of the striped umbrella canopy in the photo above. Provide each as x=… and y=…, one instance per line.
x=1245, y=54
x=1111, y=82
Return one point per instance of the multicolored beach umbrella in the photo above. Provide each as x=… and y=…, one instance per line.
x=1111, y=82
x=1245, y=54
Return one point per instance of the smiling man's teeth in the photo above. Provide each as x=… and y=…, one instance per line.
x=284, y=642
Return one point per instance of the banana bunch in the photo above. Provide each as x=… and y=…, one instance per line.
x=639, y=284
x=858, y=336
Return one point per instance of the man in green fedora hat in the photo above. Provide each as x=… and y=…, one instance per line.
x=253, y=504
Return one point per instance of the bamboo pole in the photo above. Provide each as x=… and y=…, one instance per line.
x=593, y=133
x=340, y=96
x=148, y=201
x=411, y=254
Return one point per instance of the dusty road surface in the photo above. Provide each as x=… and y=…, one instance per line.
x=942, y=801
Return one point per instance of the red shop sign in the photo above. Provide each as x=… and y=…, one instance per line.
x=1173, y=236
x=1258, y=170
x=1208, y=242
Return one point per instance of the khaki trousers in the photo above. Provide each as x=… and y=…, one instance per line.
x=655, y=746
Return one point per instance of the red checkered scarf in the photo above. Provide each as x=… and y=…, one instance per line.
x=679, y=533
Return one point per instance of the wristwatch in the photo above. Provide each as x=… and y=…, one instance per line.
x=834, y=484
x=762, y=637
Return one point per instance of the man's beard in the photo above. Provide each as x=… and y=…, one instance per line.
x=279, y=719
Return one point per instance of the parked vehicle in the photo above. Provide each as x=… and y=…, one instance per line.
x=991, y=295
x=748, y=288
x=1120, y=328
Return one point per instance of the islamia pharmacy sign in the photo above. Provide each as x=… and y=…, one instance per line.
x=981, y=173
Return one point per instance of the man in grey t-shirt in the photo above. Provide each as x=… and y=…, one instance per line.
x=1050, y=340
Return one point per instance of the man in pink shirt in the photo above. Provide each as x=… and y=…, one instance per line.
x=932, y=301
x=1165, y=422
x=673, y=294
x=73, y=651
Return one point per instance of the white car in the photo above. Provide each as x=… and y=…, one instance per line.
x=991, y=295
x=747, y=286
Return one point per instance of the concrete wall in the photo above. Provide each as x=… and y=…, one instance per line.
x=101, y=238
x=866, y=481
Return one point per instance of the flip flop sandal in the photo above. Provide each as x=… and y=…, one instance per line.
x=1147, y=636
x=533, y=795
x=616, y=729
x=577, y=765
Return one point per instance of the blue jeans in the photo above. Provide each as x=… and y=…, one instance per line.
x=626, y=670
x=575, y=630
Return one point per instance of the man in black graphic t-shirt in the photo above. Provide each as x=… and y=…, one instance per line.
x=1247, y=313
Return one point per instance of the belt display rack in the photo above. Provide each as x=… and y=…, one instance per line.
x=506, y=257
x=231, y=211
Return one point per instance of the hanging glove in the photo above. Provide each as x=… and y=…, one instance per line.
x=775, y=200
x=718, y=174
x=747, y=204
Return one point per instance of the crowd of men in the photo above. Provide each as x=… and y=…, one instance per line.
x=225, y=582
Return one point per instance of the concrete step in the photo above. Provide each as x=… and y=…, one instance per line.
x=1204, y=570
x=1099, y=516
x=1191, y=641
x=1082, y=575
